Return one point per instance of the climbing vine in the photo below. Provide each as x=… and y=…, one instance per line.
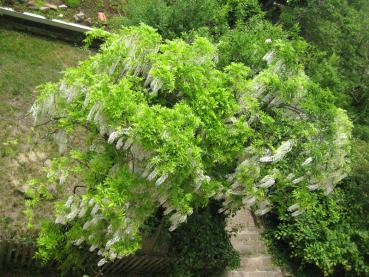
x=159, y=125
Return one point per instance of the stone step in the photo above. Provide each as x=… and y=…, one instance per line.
x=248, y=229
x=249, y=243
x=252, y=233
x=251, y=248
x=239, y=273
x=259, y=263
x=242, y=218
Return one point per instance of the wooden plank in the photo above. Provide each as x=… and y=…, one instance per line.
x=127, y=264
x=21, y=254
x=148, y=266
x=106, y=267
x=155, y=265
x=3, y=251
x=136, y=260
x=164, y=263
x=141, y=266
x=30, y=251
x=113, y=266
x=161, y=265
x=9, y=254
x=18, y=253
x=24, y=255
x=120, y=265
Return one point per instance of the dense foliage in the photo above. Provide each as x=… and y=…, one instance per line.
x=338, y=28
x=160, y=126
x=173, y=18
x=331, y=239
x=202, y=246
x=71, y=261
x=72, y=3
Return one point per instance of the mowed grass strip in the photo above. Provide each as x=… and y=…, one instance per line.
x=27, y=61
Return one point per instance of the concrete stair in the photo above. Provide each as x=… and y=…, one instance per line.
x=255, y=260
x=253, y=274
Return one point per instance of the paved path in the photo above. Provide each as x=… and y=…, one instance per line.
x=255, y=260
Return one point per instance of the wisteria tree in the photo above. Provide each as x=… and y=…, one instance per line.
x=159, y=125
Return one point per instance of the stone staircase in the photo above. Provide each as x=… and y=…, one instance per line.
x=255, y=260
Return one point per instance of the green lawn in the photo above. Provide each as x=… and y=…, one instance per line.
x=25, y=62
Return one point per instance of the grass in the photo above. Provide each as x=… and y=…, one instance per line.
x=25, y=62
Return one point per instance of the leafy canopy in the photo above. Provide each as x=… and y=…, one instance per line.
x=158, y=125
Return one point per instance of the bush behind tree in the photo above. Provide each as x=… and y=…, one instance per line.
x=337, y=33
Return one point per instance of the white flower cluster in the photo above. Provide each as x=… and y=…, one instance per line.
x=114, y=66
x=154, y=83
x=269, y=57
x=295, y=210
x=267, y=181
x=307, y=161
x=89, y=209
x=282, y=150
x=336, y=163
x=96, y=115
x=176, y=219
x=69, y=93
x=263, y=208
x=136, y=57
x=258, y=89
x=43, y=110
x=200, y=178
x=62, y=141
x=249, y=198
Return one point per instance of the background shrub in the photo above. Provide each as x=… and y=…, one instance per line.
x=202, y=245
x=338, y=27
x=171, y=18
x=331, y=239
x=72, y=3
